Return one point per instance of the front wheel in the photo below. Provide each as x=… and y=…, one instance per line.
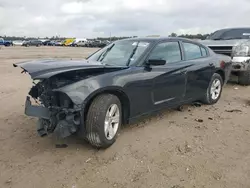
x=214, y=90
x=103, y=120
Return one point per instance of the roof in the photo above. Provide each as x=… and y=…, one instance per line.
x=232, y=28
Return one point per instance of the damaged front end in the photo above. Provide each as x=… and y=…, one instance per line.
x=57, y=99
x=55, y=110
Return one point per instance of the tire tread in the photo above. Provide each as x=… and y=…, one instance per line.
x=96, y=110
x=207, y=98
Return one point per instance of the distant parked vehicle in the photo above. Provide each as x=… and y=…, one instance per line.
x=58, y=43
x=234, y=42
x=46, y=42
x=33, y=43
x=68, y=42
x=5, y=43
x=81, y=43
x=18, y=42
x=97, y=44
x=88, y=43
x=51, y=43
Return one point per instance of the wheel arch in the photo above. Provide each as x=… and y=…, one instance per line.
x=222, y=74
x=118, y=92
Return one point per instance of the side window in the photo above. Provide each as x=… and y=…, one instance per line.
x=192, y=51
x=169, y=51
x=203, y=52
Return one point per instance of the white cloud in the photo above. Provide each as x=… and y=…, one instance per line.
x=72, y=7
x=90, y=18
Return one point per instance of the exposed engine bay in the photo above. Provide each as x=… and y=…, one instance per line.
x=57, y=112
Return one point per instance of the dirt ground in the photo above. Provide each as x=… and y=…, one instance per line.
x=171, y=150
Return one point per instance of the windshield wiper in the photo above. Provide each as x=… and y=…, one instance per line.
x=103, y=55
x=132, y=54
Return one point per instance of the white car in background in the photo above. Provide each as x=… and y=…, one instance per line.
x=80, y=42
x=18, y=42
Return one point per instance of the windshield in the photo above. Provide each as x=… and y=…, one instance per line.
x=121, y=53
x=228, y=34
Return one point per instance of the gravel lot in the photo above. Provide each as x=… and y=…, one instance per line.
x=170, y=150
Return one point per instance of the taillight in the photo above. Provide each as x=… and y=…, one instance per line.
x=222, y=64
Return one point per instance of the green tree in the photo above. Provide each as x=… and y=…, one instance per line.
x=173, y=35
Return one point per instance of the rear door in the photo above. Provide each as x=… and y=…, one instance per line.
x=170, y=80
x=199, y=69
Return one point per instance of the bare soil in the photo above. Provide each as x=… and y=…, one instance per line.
x=207, y=146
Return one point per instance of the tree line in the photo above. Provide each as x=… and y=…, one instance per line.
x=189, y=36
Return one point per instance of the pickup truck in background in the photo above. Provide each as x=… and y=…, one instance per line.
x=5, y=43
x=234, y=42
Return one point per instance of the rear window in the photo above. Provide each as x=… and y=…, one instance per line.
x=192, y=51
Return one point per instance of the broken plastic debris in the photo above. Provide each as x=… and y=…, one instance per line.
x=233, y=110
x=89, y=159
x=199, y=120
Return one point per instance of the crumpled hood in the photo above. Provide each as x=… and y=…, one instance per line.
x=234, y=42
x=45, y=68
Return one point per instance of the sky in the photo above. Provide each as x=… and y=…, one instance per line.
x=99, y=18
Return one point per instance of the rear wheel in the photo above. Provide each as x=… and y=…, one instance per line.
x=214, y=90
x=103, y=120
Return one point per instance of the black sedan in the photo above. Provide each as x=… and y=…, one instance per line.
x=120, y=83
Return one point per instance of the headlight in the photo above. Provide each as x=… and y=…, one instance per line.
x=241, y=50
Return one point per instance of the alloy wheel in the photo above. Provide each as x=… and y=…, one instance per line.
x=112, y=121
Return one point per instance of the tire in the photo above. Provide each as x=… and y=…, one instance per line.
x=210, y=98
x=244, y=77
x=96, y=118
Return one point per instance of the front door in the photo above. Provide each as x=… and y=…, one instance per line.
x=169, y=84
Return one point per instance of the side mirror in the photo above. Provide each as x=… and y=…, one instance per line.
x=156, y=62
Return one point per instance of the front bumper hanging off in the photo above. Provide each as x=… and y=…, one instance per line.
x=36, y=111
x=63, y=122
